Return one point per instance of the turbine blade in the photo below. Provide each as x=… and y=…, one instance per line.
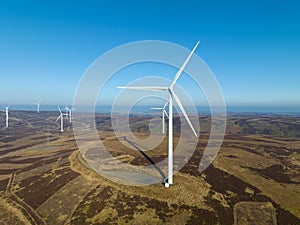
x=165, y=104
x=184, y=65
x=157, y=108
x=165, y=112
x=59, y=109
x=58, y=118
x=146, y=88
x=183, y=111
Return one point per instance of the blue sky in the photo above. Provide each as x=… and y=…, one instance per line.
x=253, y=47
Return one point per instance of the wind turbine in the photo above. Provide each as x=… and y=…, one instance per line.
x=38, y=105
x=69, y=113
x=61, y=117
x=66, y=111
x=164, y=112
x=6, y=113
x=172, y=95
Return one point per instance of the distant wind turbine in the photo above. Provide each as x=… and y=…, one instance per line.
x=38, y=105
x=69, y=112
x=6, y=113
x=61, y=117
x=172, y=95
x=66, y=111
x=164, y=112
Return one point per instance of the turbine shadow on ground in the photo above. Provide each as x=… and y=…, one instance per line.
x=147, y=157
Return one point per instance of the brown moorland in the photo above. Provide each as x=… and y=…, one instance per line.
x=44, y=178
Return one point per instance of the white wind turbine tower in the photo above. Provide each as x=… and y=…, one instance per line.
x=6, y=113
x=38, y=105
x=61, y=117
x=172, y=96
x=164, y=113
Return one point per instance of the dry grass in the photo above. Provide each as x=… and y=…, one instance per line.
x=9, y=214
x=287, y=195
x=60, y=206
x=262, y=213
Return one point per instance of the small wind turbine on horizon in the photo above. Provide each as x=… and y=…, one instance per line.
x=164, y=113
x=69, y=112
x=172, y=95
x=61, y=117
x=6, y=114
x=38, y=105
x=66, y=110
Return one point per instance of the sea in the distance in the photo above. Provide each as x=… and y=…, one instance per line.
x=200, y=109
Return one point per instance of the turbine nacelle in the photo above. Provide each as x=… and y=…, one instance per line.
x=6, y=107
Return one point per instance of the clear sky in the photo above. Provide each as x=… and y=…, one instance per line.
x=253, y=47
